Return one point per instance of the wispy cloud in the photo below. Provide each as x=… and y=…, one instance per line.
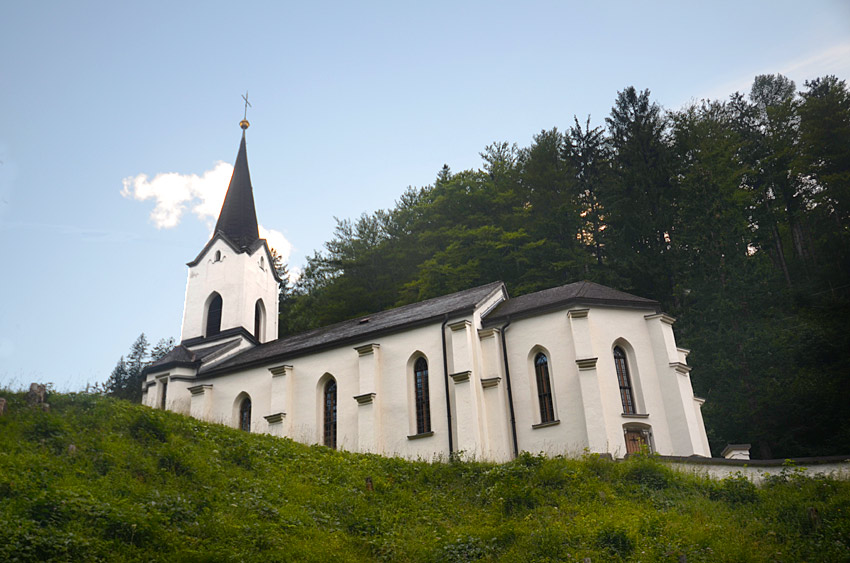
x=174, y=193
x=832, y=60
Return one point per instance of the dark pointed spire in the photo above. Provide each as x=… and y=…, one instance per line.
x=238, y=217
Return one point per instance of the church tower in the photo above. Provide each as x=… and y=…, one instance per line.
x=232, y=288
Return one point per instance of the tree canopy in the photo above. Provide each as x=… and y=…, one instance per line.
x=734, y=214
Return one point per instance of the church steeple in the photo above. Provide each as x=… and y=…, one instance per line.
x=232, y=290
x=238, y=217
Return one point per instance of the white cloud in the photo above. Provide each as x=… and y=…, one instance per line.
x=173, y=192
x=277, y=242
x=204, y=194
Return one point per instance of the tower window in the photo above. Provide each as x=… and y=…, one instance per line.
x=330, y=414
x=259, y=319
x=544, y=388
x=626, y=395
x=423, y=406
x=262, y=263
x=245, y=415
x=217, y=256
x=214, y=315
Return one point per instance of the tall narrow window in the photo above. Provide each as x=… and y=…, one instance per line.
x=214, y=315
x=259, y=319
x=544, y=388
x=626, y=395
x=330, y=414
x=423, y=404
x=245, y=415
x=162, y=397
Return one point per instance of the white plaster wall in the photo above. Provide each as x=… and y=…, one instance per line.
x=628, y=329
x=240, y=281
x=487, y=435
x=549, y=333
x=757, y=473
x=608, y=327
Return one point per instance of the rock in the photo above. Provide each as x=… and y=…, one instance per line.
x=2, y=406
x=37, y=394
x=45, y=407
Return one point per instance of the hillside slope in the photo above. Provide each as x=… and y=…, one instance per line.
x=102, y=479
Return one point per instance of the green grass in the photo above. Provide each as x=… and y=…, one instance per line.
x=101, y=479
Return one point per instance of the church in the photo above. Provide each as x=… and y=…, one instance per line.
x=479, y=374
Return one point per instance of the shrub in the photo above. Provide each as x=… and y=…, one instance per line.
x=616, y=541
x=148, y=427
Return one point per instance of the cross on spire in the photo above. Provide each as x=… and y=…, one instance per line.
x=244, y=123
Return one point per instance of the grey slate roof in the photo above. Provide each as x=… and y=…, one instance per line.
x=181, y=356
x=583, y=292
x=238, y=217
x=359, y=329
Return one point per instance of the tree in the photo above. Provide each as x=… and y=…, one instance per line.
x=640, y=200
x=587, y=152
x=125, y=381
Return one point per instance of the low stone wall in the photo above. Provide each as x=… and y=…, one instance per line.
x=837, y=467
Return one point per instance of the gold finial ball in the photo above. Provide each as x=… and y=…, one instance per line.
x=244, y=124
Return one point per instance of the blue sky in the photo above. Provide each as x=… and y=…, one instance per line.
x=105, y=103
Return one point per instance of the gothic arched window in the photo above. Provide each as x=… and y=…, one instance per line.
x=544, y=388
x=329, y=397
x=423, y=404
x=626, y=395
x=245, y=414
x=259, y=319
x=214, y=315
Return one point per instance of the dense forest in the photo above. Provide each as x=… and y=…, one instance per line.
x=734, y=215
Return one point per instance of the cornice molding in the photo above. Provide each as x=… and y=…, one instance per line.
x=275, y=418
x=681, y=369
x=200, y=389
x=490, y=382
x=277, y=371
x=487, y=332
x=585, y=364
x=365, y=398
x=367, y=349
x=663, y=317
x=460, y=325
x=461, y=376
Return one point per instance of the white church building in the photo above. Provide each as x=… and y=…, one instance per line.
x=576, y=368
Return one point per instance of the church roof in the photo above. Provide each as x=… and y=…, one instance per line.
x=357, y=330
x=238, y=217
x=578, y=293
x=181, y=356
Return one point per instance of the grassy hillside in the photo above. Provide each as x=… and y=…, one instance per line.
x=101, y=479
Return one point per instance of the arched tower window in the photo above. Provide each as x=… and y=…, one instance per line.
x=423, y=403
x=245, y=414
x=544, y=388
x=214, y=315
x=329, y=401
x=217, y=256
x=259, y=319
x=626, y=394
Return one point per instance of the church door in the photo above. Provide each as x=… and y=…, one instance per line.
x=635, y=440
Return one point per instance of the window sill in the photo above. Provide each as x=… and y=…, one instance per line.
x=422, y=435
x=545, y=424
x=624, y=415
